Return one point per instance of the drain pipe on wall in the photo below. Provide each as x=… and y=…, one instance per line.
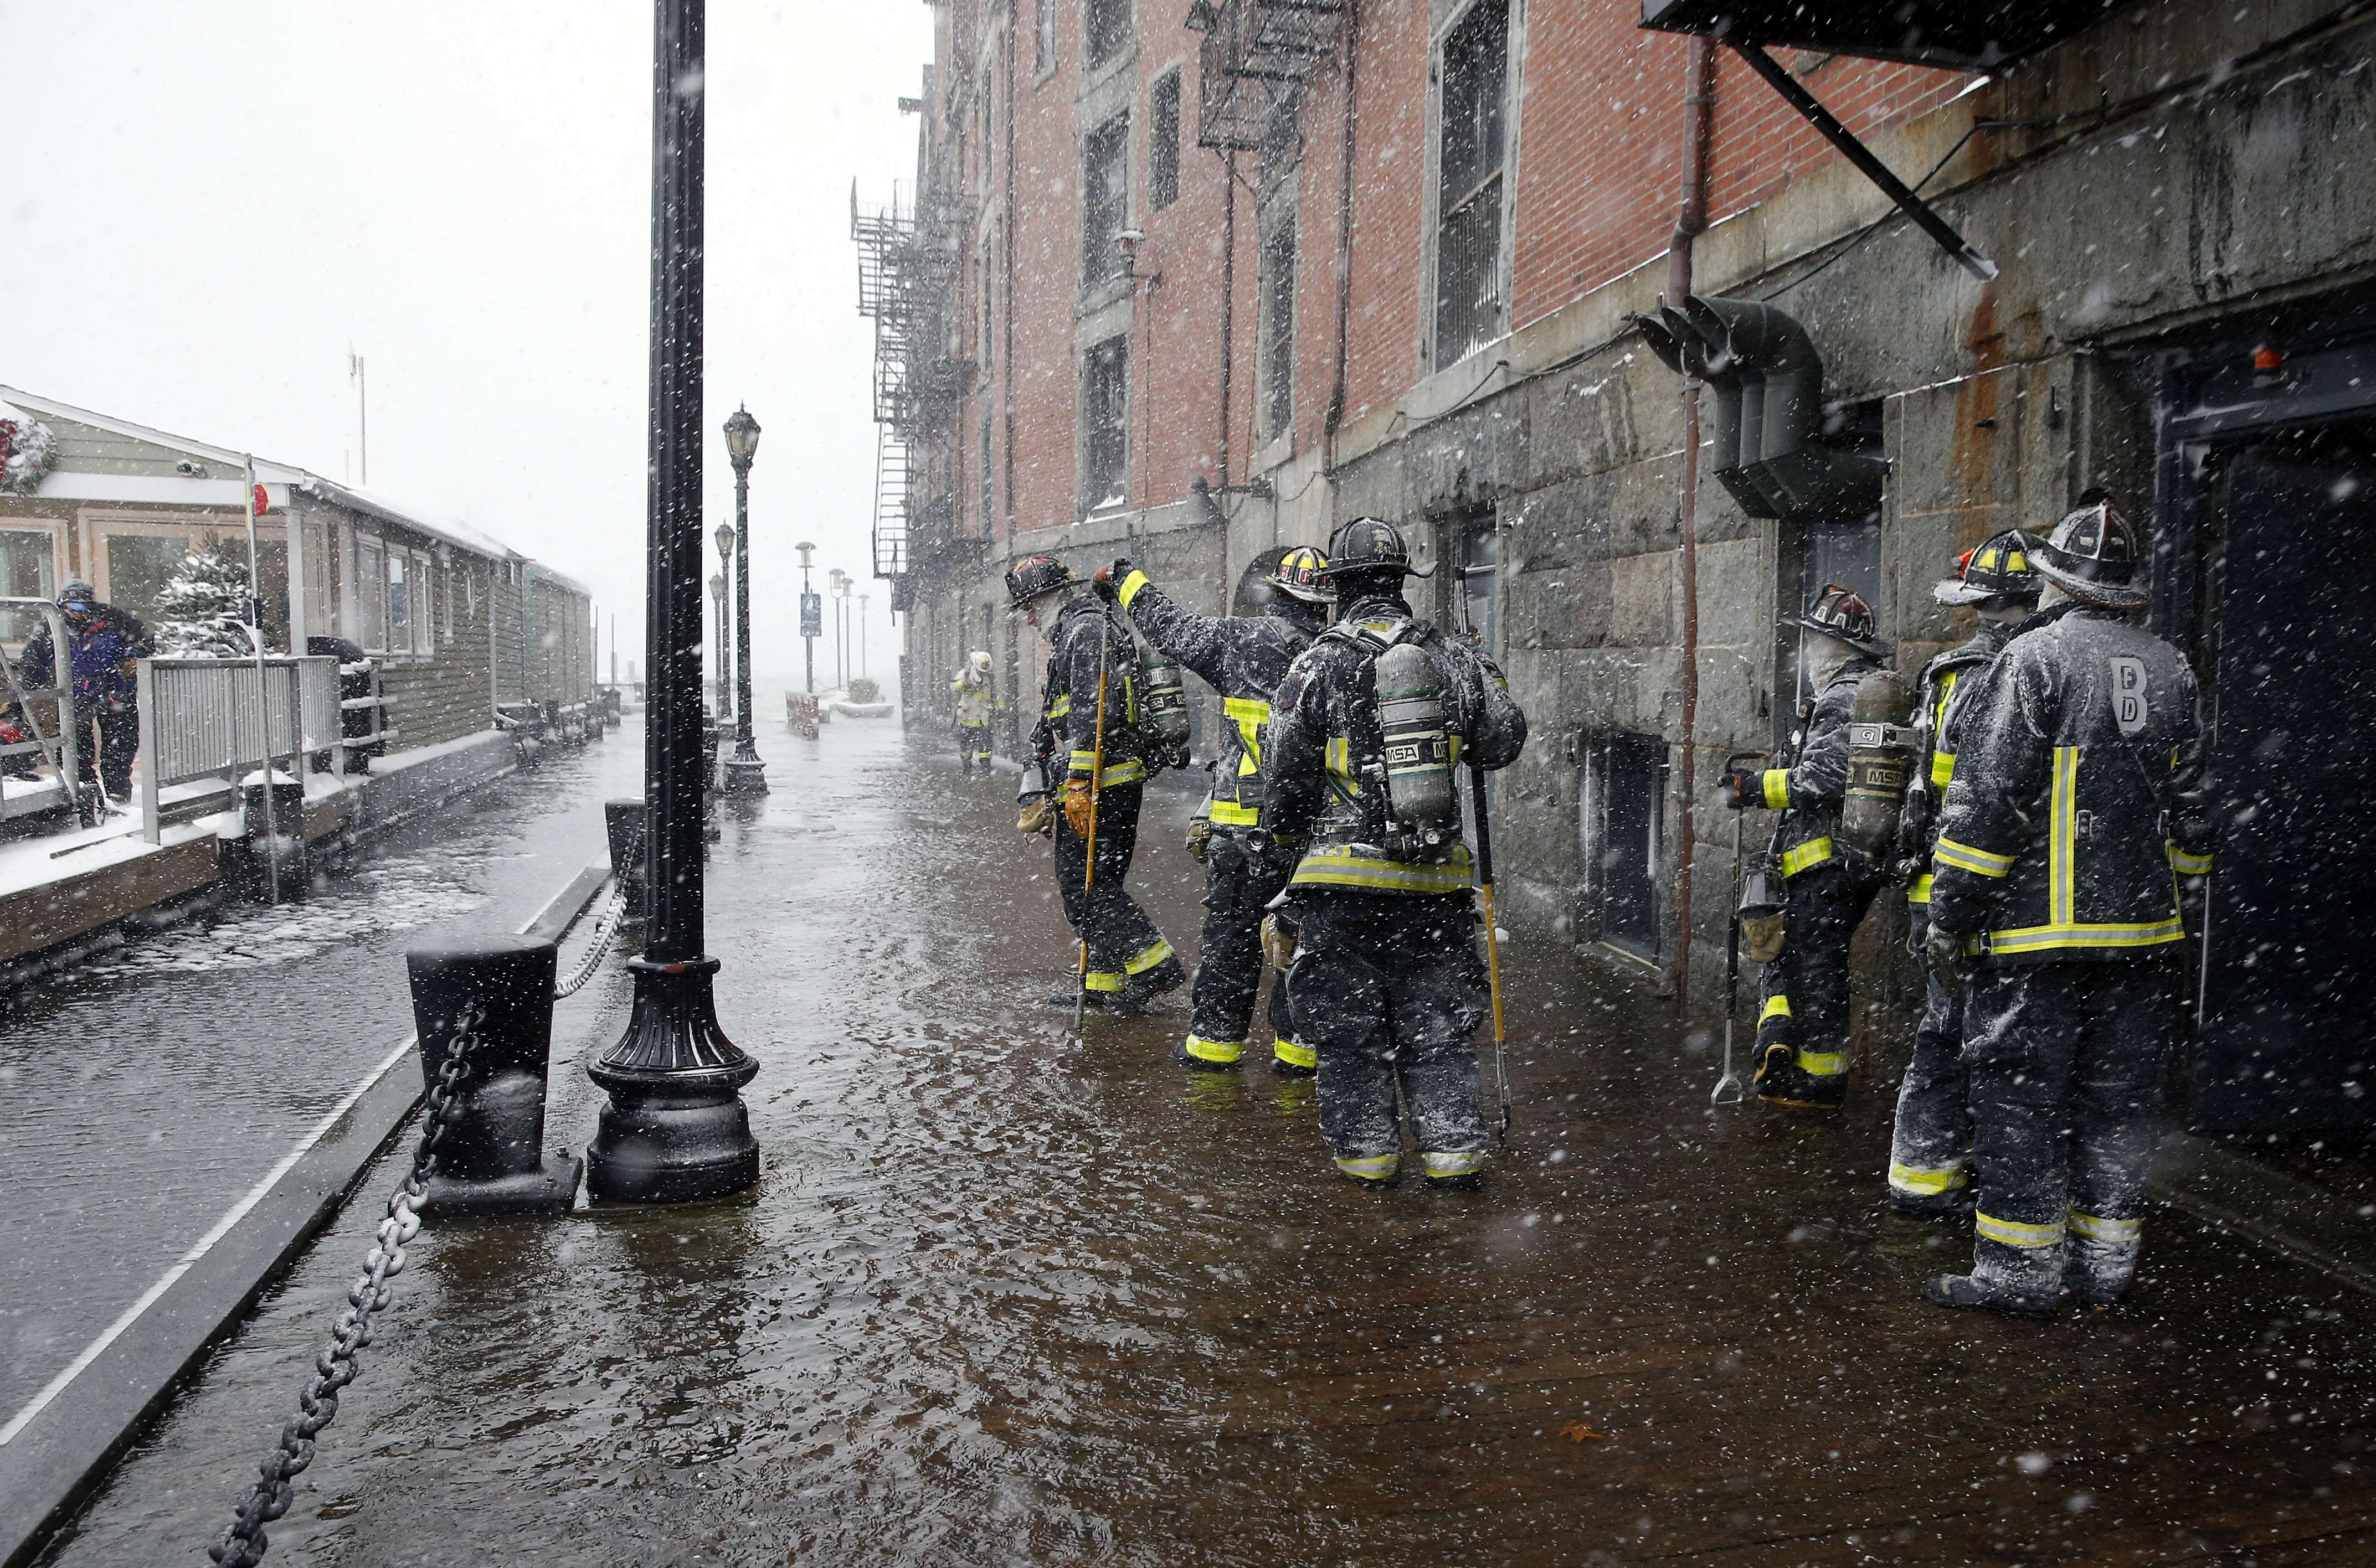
x=1336, y=414
x=1690, y=221
x=1229, y=305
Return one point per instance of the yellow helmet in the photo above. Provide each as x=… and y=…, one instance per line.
x=1298, y=572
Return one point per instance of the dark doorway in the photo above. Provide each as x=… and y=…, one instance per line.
x=2285, y=605
x=1621, y=828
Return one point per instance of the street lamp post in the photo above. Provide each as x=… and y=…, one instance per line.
x=745, y=774
x=718, y=609
x=862, y=635
x=725, y=539
x=837, y=585
x=810, y=618
x=675, y=1126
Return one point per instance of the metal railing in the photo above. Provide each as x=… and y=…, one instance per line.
x=204, y=719
x=60, y=746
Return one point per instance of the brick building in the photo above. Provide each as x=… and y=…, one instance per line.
x=1190, y=281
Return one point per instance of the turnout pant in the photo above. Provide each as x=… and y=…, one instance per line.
x=119, y=742
x=1929, y=1154
x=973, y=746
x=2066, y=1062
x=1230, y=959
x=1388, y=991
x=1802, y=1029
x=1125, y=950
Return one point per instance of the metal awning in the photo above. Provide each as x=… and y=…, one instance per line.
x=1963, y=35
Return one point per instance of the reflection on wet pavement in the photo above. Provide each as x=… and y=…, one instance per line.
x=1005, y=1296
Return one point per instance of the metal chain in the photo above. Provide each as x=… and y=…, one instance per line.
x=243, y=1543
x=606, y=930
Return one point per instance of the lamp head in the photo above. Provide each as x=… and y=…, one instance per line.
x=725, y=538
x=741, y=438
x=718, y=585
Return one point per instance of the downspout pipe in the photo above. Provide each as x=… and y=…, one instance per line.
x=1336, y=414
x=1690, y=221
x=1229, y=302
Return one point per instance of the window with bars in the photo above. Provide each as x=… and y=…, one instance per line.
x=1480, y=561
x=1104, y=424
x=1473, y=67
x=1278, y=368
x=1163, y=143
x=1622, y=828
x=1105, y=24
x=1105, y=199
x=1043, y=35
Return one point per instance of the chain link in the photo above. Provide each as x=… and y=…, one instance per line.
x=606, y=931
x=244, y=1541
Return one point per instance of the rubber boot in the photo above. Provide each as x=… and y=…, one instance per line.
x=1967, y=1292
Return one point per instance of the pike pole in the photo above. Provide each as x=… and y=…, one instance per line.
x=1089, y=868
x=1492, y=945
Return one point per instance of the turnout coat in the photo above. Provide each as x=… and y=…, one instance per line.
x=1244, y=658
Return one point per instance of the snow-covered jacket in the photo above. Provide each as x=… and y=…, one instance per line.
x=107, y=639
x=975, y=699
x=2078, y=799
x=1936, y=712
x=1323, y=752
x=1809, y=790
x=1242, y=657
x=1084, y=633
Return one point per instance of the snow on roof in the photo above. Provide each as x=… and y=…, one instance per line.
x=451, y=529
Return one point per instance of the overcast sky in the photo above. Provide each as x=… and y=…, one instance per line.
x=207, y=201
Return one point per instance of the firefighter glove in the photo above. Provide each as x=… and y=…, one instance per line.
x=1038, y=815
x=1943, y=954
x=1278, y=942
x=1742, y=788
x=1200, y=838
x=1078, y=810
x=1109, y=579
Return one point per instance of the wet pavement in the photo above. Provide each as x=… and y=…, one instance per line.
x=1004, y=1296
x=148, y=1089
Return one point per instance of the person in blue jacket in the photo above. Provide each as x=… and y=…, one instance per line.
x=105, y=647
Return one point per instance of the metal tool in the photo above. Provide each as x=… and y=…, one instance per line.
x=1731, y=1080
x=1089, y=870
x=1492, y=945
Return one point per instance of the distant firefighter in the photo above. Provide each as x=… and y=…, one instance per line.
x=975, y=702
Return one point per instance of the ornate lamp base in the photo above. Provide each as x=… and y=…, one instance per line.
x=676, y=1128
x=747, y=775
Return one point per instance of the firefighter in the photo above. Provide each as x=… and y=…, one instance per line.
x=1385, y=981
x=2077, y=808
x=1802, y=1027
x=1244, y=658
x=975, y=702
x=1930, y=1150
x=1128, y=963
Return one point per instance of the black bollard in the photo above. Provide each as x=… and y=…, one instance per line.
x=493, y=1159
x=624, y=821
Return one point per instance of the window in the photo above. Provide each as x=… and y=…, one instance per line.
x=399, y=604
x=1474, y=74
x=1043, y=36
x=1621, y=829
x=1480, y=558
x=1163, y=143
x=988, y=486
x=447, y=577
x=1105, y=418
x=371, y=593
x=1107, y=22
x=1278, y=368
x=1105, y=199
x=28, y=563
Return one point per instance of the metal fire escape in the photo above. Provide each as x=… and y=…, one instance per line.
x=907, y=274
x=1254, y=61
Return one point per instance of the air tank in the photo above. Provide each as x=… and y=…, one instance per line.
x=1165, y=705
x=1419, y=797
x=1881, y=760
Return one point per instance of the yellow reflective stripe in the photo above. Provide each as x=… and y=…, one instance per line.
x=1777, y=781
x=1295, y=1055
x=1370, y=1167
x=2189, y=865
x=1919, y=892
x=1776, y=1005
x=1821, y=1063
x=2100, y=1229
x=1247, y=710
x=1061, y=706
x=2041, y=938
x=1965, y=857
x=1148, y=957
x=1101, y=980
x=1118, y=773
x=1205, y=1050
x=1227, y=814
x=2014, y=1234
x=1130, y=588
x=1942, y=768
x=2062, y=840
x=1814, y=853
x=1454, y=1162
x=1926, y=1181
x=1339, y=756
x=1340, y=867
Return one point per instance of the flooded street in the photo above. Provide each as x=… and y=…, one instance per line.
x=1003, y=1296
x=152, y=1085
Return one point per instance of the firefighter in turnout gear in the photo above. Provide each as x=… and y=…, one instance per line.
x=976, y=702
x=1128, y=960
x=1802, y=1025
x=1386, y=980
x=1930, y=1150
x=2076, y=809
x=1244, y=658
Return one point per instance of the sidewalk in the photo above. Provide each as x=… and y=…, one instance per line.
x=1001, y=1297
